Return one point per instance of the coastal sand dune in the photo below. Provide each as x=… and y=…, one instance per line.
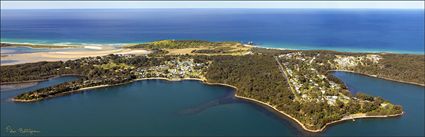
x=67, y=55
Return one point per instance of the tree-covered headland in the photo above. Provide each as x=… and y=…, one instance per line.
x=298, y=83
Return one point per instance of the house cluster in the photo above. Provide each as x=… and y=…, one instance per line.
x=174, y=69
x=347, y=62
x=308, y=83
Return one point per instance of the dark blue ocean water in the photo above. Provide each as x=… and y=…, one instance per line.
x=343, y=30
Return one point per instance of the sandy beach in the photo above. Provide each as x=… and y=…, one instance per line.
x=75, y=53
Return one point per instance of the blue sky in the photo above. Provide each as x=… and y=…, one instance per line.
x=211, y=4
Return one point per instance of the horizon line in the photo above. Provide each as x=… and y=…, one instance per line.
x=224, y=8
x=6, y=5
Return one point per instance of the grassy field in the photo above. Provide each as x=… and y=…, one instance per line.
x=113, y=65
x=194, y=47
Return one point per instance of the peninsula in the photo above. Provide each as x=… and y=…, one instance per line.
x=295, y=83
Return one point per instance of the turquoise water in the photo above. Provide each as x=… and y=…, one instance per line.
x=158, y=107
x=5, y=51
x=360, y=30
x=20, y=50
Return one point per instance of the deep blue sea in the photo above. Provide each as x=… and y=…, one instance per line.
x=352, y=30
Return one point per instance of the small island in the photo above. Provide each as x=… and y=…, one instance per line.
x=296, y=83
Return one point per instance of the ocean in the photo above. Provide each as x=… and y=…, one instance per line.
x=360, y=30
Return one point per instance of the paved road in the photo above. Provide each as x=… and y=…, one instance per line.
x=284, y=74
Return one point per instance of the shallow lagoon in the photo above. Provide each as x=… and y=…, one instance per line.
x=158, y=107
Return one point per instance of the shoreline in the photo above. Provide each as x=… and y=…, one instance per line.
x=204, y=81
x=342, y=50
x=345, y=118
x=38, y=46
x=375, y=76
x=121, y=45
x=6, y=88
x=36, y=81
x=75, y=53
x=95, y=87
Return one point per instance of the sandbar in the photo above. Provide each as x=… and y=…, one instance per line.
x=69, y=54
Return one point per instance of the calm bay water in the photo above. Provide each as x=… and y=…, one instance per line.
x=158, y=107
x=153, y=107
x=343, y=30
x=411, y=97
